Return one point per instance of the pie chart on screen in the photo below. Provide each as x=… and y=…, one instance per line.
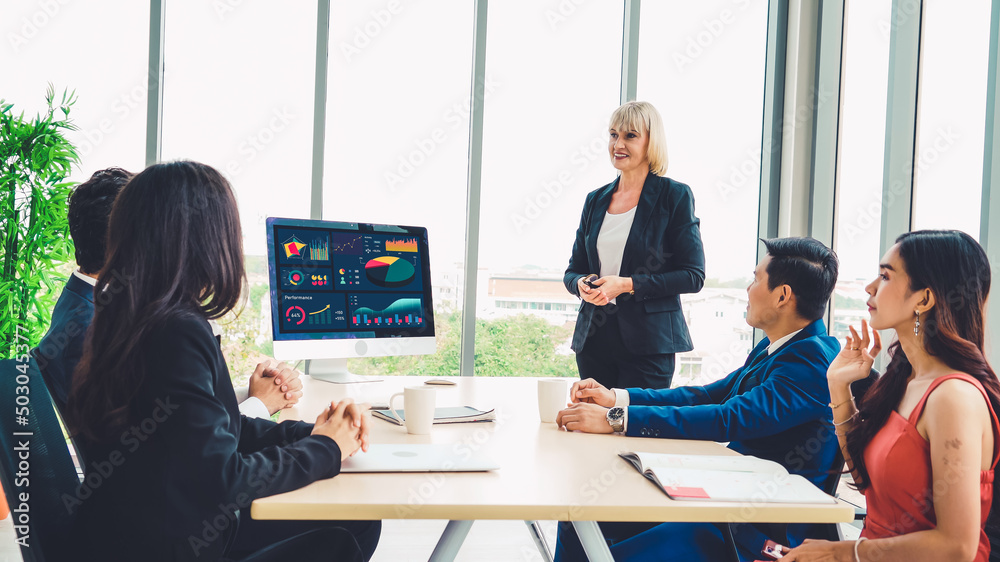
x=389, y=271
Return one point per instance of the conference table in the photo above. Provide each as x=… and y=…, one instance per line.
x=546, y=473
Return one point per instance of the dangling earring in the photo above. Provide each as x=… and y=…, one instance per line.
x=916, y=325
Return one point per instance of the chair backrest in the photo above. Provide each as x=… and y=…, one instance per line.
x=837, y=471
x=858, y=390
x=993, y=534
x=830, y=532
x=35, y=460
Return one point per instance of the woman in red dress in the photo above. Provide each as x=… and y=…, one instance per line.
x=922, y=443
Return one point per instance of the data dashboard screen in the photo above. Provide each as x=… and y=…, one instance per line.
x=334, y=280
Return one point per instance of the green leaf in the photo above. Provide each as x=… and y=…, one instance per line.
x=35, y=160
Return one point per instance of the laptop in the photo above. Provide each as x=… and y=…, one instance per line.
x=419, y=458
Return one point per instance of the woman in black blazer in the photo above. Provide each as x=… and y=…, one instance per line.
x=639, y=246
x=171, y=465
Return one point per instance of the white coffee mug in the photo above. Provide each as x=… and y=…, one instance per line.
x=552, y=397
x=418, y=408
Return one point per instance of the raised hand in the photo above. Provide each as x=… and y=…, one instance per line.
x=854, y=362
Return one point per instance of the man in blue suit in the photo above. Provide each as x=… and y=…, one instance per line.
x=61, y=348
x=776, y=406
x=272, y=386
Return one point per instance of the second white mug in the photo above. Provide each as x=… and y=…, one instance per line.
x=418, y=408
x=552, y=397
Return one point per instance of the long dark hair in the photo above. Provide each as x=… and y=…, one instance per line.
x=955, y=268
x=174, y=248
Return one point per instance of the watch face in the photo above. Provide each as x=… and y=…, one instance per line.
x=616, y=418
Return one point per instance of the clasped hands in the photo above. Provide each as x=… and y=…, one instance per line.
x=608, y=287
x=278, y=386
x=347, y=423
x=588, y=408
x=275, y=384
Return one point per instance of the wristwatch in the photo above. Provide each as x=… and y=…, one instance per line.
x=616, y=419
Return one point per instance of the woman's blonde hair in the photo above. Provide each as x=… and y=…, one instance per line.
x=642, y=116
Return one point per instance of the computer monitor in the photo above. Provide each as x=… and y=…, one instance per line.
x=341, y=290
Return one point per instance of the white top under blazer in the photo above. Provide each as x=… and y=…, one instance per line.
x=611, y=242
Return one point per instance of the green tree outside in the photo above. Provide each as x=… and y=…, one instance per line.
x=516, y=346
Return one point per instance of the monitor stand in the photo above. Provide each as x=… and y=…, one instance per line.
x=335, y=371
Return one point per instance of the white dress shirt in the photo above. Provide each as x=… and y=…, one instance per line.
x=251, y=406
x=87, y=278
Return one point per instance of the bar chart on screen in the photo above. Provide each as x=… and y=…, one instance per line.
x=404, y=245
x=386, y=310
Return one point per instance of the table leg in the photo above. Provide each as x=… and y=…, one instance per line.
x=543, y=546
x=727, y=536
x=592, y=539
x=451, y=541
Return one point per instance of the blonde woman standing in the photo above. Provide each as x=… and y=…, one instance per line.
x=638, y=248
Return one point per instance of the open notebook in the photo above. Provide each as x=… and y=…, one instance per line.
x=727, y=478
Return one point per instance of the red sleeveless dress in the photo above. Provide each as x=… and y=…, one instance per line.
x=900, y=498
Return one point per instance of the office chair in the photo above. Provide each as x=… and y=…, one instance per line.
x=32, y=442
x=993, y=534
x=318, y=544
x=831, y=532
x=779, y=531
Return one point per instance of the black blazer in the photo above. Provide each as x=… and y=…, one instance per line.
x=168, y=487
x=663, y=256
x=61, y=348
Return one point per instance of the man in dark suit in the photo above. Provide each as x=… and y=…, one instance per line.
x=62, y=346
x=272, y=386
x=774, y=407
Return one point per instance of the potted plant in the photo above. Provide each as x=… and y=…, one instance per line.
x=35, y=160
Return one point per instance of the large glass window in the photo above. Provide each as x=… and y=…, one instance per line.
x=954, y=53
x=702, y=65
x=397, y=142
x=238, y=95
x=58, y=42
x=554, y=77
x=860, y=159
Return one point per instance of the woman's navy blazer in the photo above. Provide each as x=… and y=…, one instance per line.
x=663, y=256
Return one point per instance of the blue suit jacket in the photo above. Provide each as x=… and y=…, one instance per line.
x=774, y=407
x=663, y=256
x=62, y=346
